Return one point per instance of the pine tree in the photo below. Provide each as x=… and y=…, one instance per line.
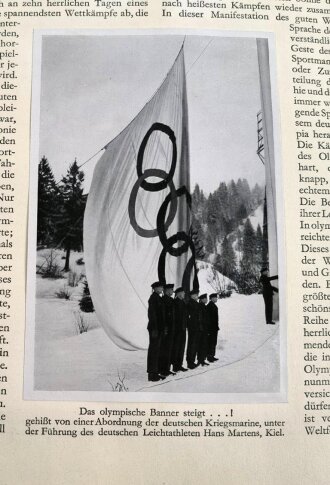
x=47, y=203
x=197, y=235
x=248, y=281
x=203, y=202
x=233, y=198
x=259, y=245
x=86, y=303
x=257, y=196
x=196, y=196
x=239, y=244
x=214, y=217
x=242, y=212
x=198, y=203
x=222, y=194
x=228, y=259
x=69, y=226
x=249, y=245
x=209, y=243
x=245, y=194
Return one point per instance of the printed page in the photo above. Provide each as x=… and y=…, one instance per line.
x=165, y=239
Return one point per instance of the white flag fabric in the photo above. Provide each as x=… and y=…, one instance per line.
x=137, y=219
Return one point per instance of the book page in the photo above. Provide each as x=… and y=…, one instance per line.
x=165, y=173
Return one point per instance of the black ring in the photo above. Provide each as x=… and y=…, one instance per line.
x=171, y=199
x=179, y=236
x=191, y=263
x=158, y=185
x=151, y=172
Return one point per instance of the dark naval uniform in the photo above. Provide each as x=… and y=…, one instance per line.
x=203, y=333
x=179, y=333
x=267, y=292
x=155, y=329
x=213, y=320
x=193, y=332
x=166, y=335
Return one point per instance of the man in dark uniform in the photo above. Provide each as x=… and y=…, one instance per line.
x=203, y=331
x=155, y=329
x=193, y=329
x=167, y=335
x=180, y=330
x=267, y=292
x=213, y=320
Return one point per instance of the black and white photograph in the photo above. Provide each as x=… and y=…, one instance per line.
x=155, y=261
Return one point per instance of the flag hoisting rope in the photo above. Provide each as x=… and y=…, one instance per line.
x=91, y=158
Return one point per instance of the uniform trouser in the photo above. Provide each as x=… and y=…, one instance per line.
x=153, y=353
x=202, y=346
x=268, y=298
x=212, y=344
x=166, y=343
x=193, y=338
x=179, y=343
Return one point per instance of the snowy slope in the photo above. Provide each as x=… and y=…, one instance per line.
x=256, y=218
x=65, y=360
x=210, y=280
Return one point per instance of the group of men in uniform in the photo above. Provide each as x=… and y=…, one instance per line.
x=170, y=319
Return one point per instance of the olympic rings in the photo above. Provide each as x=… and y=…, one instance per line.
x=179, y=236
x=170, y=202
x=191, y=265
x=151, y=172
x=187, y=272
x=159, y=185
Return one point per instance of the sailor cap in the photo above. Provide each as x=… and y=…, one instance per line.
x=156, y=284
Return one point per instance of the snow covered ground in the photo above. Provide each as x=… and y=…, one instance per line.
x=210, y=280
x=65, y=360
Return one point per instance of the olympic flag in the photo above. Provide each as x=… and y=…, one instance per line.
x=137, y=219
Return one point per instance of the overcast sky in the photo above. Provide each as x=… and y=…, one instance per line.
x=92, y=86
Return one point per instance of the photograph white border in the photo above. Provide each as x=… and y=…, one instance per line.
x=144, y=397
